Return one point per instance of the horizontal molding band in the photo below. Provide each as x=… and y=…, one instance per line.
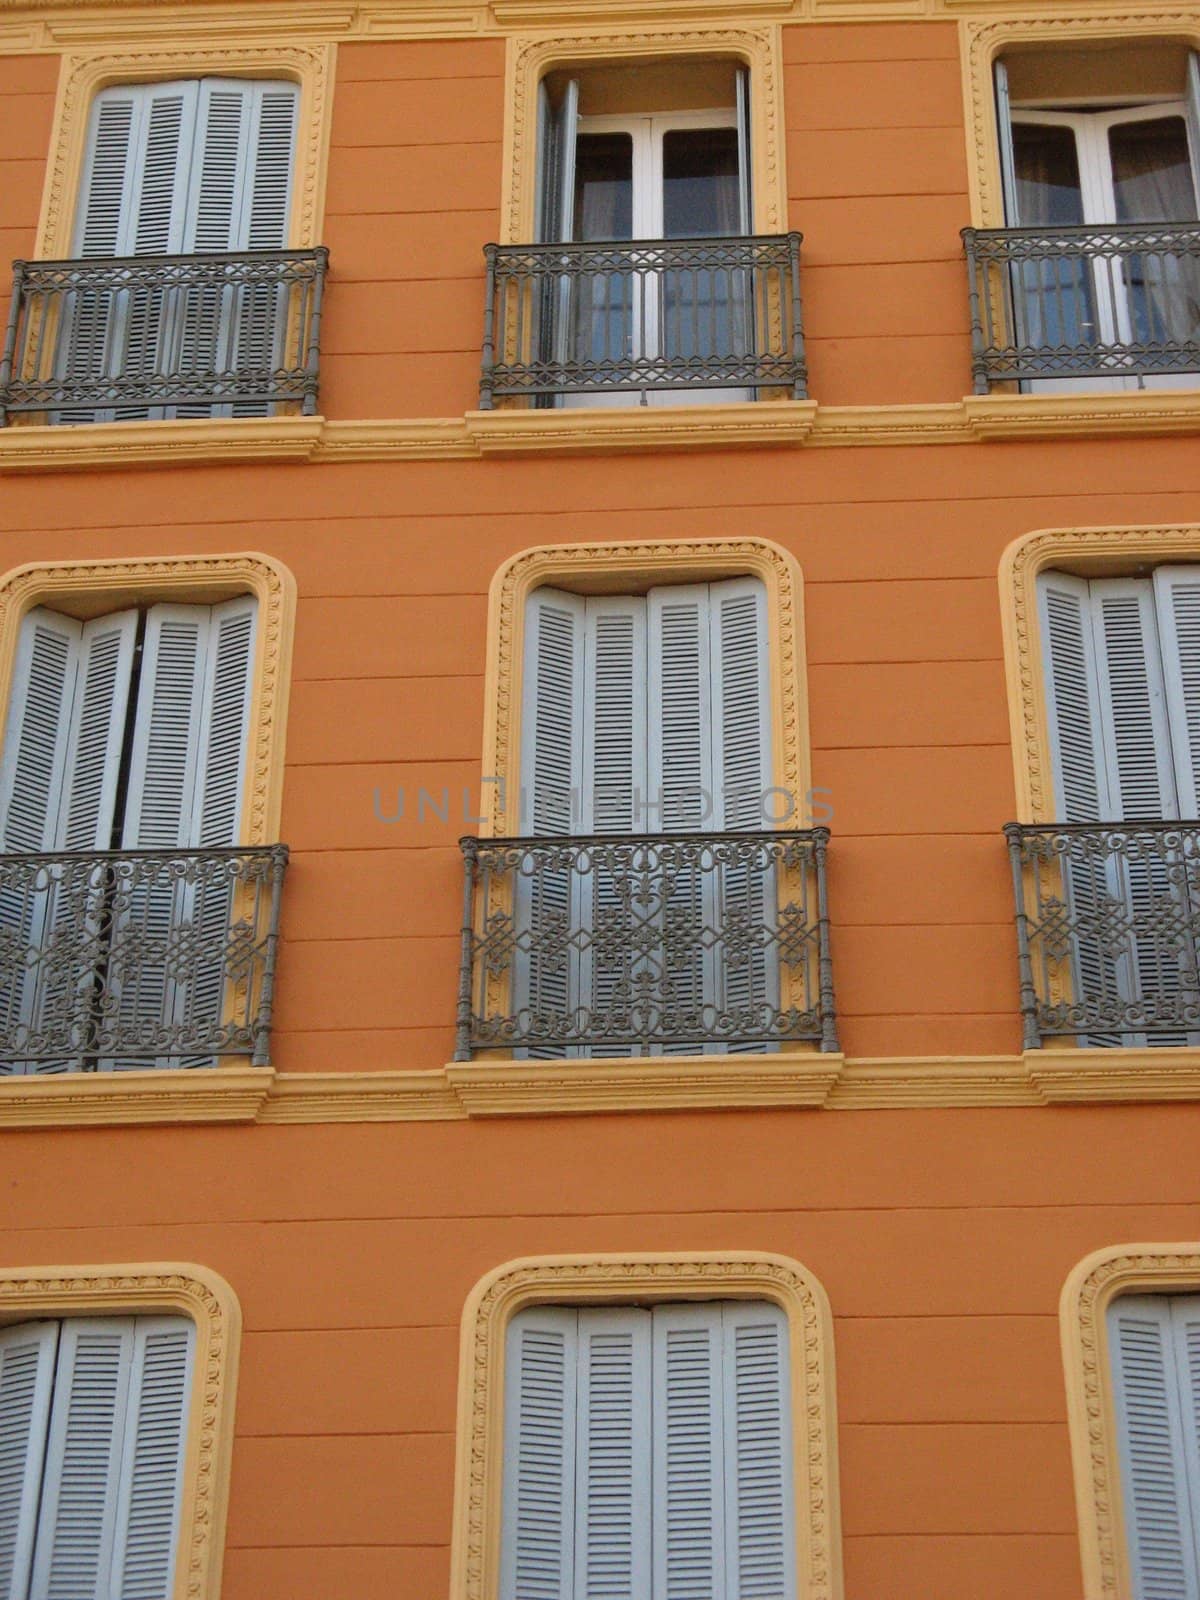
x=29, y=26
x=240, y=1093
x=975, y=419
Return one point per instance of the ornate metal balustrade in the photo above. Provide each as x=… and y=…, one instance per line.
x=187, y=335
x=627, y=944
x=1108, y=930
x=1118, y=301
x=137, y=958
x=635, y=319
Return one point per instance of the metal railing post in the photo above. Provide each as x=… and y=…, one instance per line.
x=312, y=363
x=799, y=362
x=486, y=400
x=979, y=372
x=826, y=1000
x=462, y=1032
x=266, y=999
x=1032, y=1038
x=10, y=339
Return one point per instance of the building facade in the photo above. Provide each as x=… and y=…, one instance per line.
x=600, y=659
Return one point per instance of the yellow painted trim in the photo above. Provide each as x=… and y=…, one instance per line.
x=531, y=56
x=1091, y=1414
x=604, y=1279
x=28, y=26
x=640, y=563
x=96, y=586
x=783, y=424
x=986, y=37
x=241, y=1093
x=1090, y=551
x=83, y=73
x=28, y=1293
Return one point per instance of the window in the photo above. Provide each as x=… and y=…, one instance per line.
x=1105, y=144
x=1123, y=700
x=661, y=293
x=648, y=1453
x=126, y=733
x=192, y=168
x=649, y=714
x=93, y=1418
x=1155, y=1344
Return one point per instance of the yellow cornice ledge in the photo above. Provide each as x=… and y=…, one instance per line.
x=480, y=434
x=81, y=1099
x=107, y=445
x=240, y=1093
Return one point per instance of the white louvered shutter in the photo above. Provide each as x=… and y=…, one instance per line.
x=1193, y=118
x=1072, y=700
x=538, y=1517
x=27, y=1354
x=239, y=199
x=682, y=787
x=36, y=735
x=759, y=1515
x=1177, y=602
x=96, y=732
x=1185, y=1324
x=744, y=983
x=147, y=1516
x=612, y=1497
x=689, y=1454
x=1159, y=1524
x=545, y=981
x=1133, y=708
x=32, y=781
x=613, y=794
x=77, y=1524
x=1141, y=775
x=1080, y=772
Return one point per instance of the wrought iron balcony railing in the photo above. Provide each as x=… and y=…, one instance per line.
x=137, y=958
x=164, y=336
x=644, y=317
x=1108, y=930
x=633, y=944
x=1118, y=301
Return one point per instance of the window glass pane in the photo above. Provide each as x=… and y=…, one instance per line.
x=1047, y=172
x=700, y=183
x=1152, y=174
x=604, y=186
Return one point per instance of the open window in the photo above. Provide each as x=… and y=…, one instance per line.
x=658, y=291
x=1098, y=268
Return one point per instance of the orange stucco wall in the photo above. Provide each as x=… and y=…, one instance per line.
x=942, y=1237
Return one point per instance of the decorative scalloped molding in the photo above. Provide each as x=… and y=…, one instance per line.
x=640, y=562
x=986, y=38
x=607, y=1278
x=84, y=72
x=530, y=57
x=1090, y=549
x=122, y=582
x=1097, y=1280
x=209, y=1301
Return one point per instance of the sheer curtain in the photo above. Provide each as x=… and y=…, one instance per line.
x=1152, y=182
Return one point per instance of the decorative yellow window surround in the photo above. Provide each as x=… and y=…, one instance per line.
x=625, y=568
x=531, y=56
x=27, y=1294
x=84, y=73
x=599, y=1279
x=984, y=39
x=1091, y=1412
x=88, y=589
x=1091, y=552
